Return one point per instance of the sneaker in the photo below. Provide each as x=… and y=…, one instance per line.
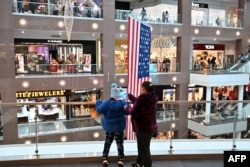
x=120, y=163
x=135, y=165
x=105, y=163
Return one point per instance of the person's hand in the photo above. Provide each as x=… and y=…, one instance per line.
x=130, y=96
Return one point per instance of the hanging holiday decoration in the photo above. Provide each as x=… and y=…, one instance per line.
x=68, y=18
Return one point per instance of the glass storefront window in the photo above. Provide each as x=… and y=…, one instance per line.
x=46, y=112
x=55, y=57
x=84, y=110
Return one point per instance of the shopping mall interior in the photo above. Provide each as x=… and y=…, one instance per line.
x=59, y=56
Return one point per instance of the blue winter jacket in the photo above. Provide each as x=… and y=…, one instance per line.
x=114, y=114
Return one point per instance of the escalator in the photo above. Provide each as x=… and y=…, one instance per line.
x=242, y=63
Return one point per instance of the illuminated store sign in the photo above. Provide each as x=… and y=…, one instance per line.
x=36, y=94
x=55, y=41
x=208, y=47
x=199, y=5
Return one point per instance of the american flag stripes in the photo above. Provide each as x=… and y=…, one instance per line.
x=139, y=40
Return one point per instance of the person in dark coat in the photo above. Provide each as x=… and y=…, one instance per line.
x=213, y=62
x=144, y=124
x=113, y=123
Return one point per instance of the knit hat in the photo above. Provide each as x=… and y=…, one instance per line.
x=115, y=92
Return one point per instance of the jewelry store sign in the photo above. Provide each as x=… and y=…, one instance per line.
x=37, y=94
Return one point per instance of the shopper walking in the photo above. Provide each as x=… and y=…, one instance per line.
x=113, y=123
x=143, y=14
x=143, y=117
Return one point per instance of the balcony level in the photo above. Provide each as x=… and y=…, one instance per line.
x=218, y=78
x=217, y=126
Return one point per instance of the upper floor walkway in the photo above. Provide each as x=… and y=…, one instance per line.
x=156, y=13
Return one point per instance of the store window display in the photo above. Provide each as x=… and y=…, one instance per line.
x=208, y=56
x=46, y=58
x=84, y=109
x=46, y=112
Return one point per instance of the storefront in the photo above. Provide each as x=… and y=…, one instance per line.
x=54, y=56
x=199, y=14
x=215, y=15
x=41, y=108
x=52, y=112
x=84, y=110
x=208, y=56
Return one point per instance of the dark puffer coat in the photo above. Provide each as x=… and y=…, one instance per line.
x=143, y=112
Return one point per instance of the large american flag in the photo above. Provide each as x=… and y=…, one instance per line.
x=139, y=40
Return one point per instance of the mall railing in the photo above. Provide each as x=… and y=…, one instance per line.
x=38, y=69
x=229, y=67
x=153, y=68
x=48, y=112
x=123, y=15
x=59, y=69
x=212, y=21
x=36, y=8
x=48, y=119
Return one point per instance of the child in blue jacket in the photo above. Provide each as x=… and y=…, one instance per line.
x=113, y=123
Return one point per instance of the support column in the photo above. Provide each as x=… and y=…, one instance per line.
x=108, y=46
x=7, y=77
x=208, y=105
x=240, y=105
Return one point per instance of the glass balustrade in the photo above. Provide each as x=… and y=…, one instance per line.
x=47, y=69
x=123, y=15
x=214, y=22
x=80, y=9
x=68, y=117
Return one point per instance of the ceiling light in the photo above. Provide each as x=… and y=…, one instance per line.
x=196, y=31
x=176, y=30
x=95, y=82
x=62, y=83
x=60, y=24
x=218, y=32
x=122, y=81
x=122, y=27
x=25, y=84
x=95, y=26
x=174, y=78
x=23, y=22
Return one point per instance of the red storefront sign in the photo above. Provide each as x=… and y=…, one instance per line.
x=208, y=47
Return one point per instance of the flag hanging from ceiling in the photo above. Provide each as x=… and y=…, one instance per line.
x=139, y=40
